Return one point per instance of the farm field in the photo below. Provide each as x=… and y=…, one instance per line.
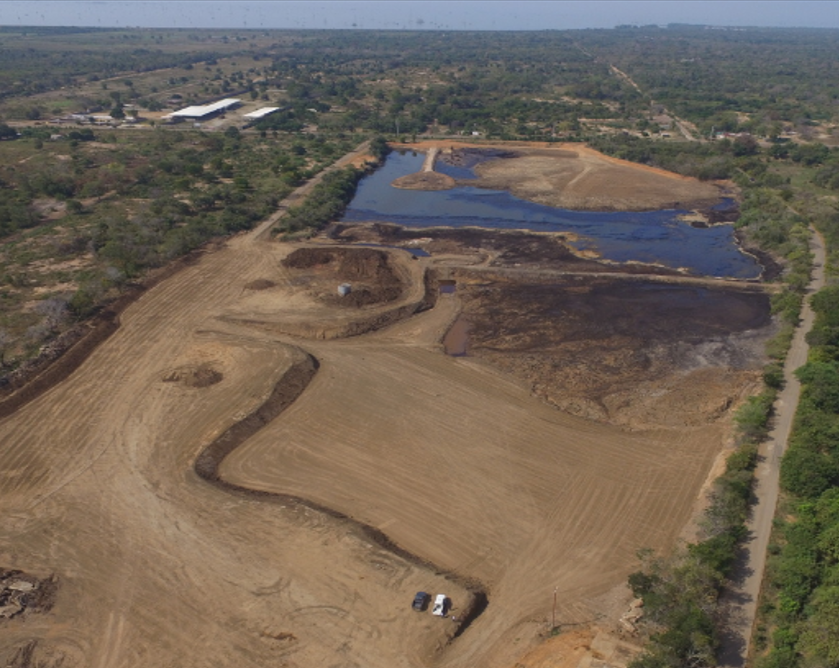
x=395, y=468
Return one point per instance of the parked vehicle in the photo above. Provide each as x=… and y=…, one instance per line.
x=420, y=601
x=441, y=605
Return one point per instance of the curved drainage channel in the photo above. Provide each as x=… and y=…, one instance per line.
x=285, y=392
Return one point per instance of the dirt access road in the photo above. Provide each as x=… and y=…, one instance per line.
x=480, y=487
x=685, y=128
x=744, y=597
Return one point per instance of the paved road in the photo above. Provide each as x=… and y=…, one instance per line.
x=743, y=598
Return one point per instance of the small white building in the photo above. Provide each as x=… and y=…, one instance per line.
x=260, y=113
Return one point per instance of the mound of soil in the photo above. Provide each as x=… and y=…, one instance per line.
x=202, y=375
x=259, y=284
x=369, y=272
x=21, y=592
x=424, y=181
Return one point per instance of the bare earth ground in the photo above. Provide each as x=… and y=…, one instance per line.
x=482, y=486
x=567, y=175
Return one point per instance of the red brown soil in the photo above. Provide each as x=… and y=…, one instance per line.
x=64, y=355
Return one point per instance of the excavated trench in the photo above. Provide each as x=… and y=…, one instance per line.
x=285, y=392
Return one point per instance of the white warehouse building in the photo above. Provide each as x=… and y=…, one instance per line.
x=202, y=111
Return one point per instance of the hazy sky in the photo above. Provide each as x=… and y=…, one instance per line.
x=416, y=14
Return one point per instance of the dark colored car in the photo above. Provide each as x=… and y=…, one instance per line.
x=420, y=601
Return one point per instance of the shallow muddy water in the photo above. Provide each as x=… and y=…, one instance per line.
x=456, y=340
x=651, y=236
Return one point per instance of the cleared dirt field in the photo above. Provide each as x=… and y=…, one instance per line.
x=395, y=468
x=570, y=176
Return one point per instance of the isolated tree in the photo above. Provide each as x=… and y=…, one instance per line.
x=55, y=312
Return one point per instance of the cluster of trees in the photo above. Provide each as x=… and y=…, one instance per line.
x=681, y=593
x=329, y=198
x=326, y=203
x=704, y=161
x=803, y=596
x=131, y=202
x=507, y=85
x=768, y=75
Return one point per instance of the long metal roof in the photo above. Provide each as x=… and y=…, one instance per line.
x=203, y=110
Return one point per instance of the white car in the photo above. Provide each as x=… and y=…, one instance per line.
x=441, y=604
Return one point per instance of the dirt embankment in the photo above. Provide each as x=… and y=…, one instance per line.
x=596, y=339
x=284, y=394
x=570, y=176
x=369, y=275
x=347, y=291
x=65, y=354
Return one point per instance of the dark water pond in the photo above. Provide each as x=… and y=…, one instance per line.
x=652, y=236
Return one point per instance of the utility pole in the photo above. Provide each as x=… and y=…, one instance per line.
x=553, y=614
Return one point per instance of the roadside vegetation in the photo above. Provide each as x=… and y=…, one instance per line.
x=799, y=605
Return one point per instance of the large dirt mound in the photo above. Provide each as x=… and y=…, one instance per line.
x=371, y=276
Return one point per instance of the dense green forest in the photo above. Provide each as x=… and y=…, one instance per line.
x=84, y=211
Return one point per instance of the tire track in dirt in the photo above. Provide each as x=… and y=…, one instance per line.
x=285, y=393
x=152, y=474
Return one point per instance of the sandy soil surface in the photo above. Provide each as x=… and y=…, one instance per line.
x=570, y=176
x=364, y=463
x=425, y=181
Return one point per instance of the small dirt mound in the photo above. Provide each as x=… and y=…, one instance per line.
x=424, y=181
x=21, y=592
x=202, y=375
x=259, y=284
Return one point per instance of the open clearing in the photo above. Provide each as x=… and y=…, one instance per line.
x=483, y=487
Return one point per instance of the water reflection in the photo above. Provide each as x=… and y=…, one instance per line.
x=653, y=236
